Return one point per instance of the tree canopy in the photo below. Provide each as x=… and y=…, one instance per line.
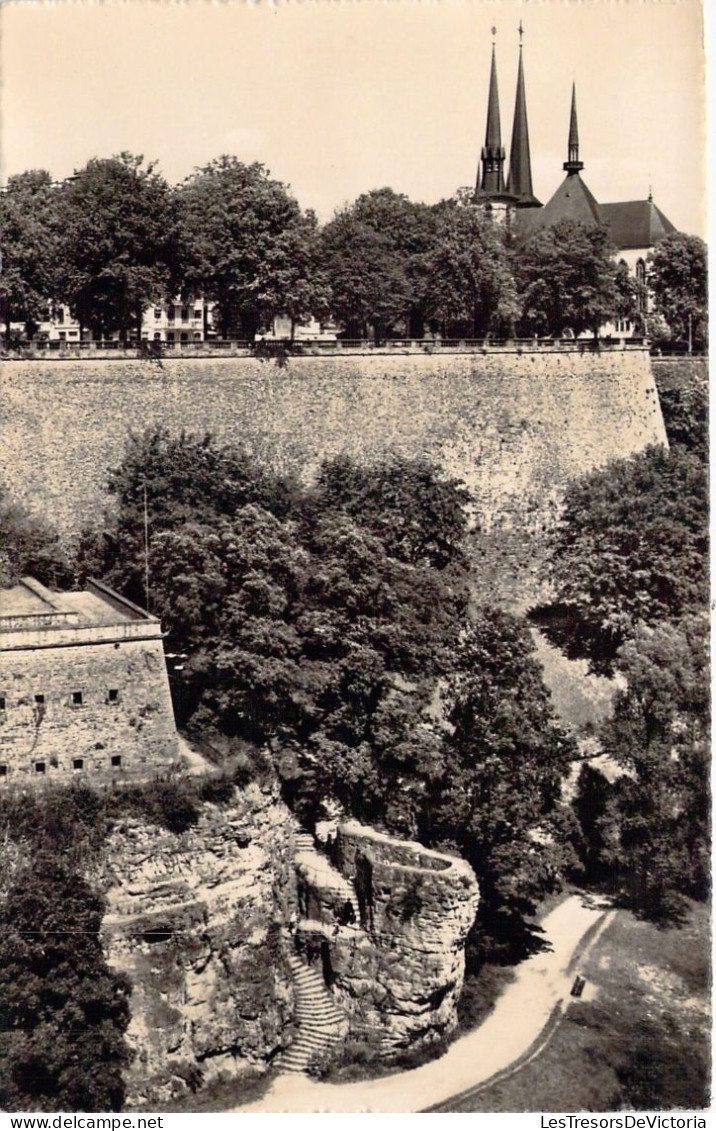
x=118, y=244
x=677, y=274
x=30, y=233
x=247, y=246
x=632, y=546
x=568, y=279
x=63, y=1013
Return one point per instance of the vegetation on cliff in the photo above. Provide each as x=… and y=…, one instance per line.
x=630, y=566
x=332, y=624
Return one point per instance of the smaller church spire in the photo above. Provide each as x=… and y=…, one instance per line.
x=492, y=177
x=573, y=164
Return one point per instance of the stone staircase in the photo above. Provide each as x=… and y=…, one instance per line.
x=318, y=869
x=321, y=1025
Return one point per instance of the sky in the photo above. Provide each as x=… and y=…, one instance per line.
x=337, y=97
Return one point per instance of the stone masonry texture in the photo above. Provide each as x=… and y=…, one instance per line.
x=512, y=425
x=125, y=712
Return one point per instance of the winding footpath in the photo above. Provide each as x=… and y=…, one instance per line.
x=509, y=1037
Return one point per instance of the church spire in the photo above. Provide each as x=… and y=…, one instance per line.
x=519, y=178
x=492, y=179
x=573, y=164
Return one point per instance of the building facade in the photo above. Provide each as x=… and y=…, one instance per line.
x=83, y=687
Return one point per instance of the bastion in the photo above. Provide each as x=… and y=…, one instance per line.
x=83, y=687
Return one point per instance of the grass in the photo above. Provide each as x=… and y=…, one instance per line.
x=638, y=1039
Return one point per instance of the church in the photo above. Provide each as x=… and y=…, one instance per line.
x=634, y=226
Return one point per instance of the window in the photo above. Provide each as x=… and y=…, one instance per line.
x=2, y=702
x=184, y=337
x=3, y=769
x=157, y=311
x=157, y=336
x=40, y=700
x=113, y=695
x=197, y=312
x=185, y=314
x=170, y=313
x=116, y=761
x=76, y=698
x=78, y=763
x=40, y=767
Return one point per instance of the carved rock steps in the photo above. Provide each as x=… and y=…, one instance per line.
x=321, y=1025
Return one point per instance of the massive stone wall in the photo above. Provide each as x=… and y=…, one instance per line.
x=122, y=724
x=514, y=425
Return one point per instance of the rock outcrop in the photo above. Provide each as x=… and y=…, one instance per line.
x=196, y=921
x=396, y=968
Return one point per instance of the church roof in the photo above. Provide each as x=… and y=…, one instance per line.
x=635, y=223
x=572, y=201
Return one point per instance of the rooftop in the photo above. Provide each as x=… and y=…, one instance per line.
x=30, y=605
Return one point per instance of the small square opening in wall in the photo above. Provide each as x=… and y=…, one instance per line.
x=2, y=702
x=40, y=768
x=3, y=769
x=113, y=695
x=76, y=698
x=78, y=763
x=116, y=761
x=40, y=700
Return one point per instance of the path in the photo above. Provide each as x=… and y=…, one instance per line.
x=541, y=985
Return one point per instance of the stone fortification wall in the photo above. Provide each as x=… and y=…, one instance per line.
x=196, y=921
x=514, y=425
x=397, y=972
x=122, y=723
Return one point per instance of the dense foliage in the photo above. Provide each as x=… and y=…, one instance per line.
x=678, y=278
x=569, y=280
x=63, y=1013
x=118, y=246
x=332, y=625
x=632, y=546
x=631, y=571
x=115, y=238
x=648, y=831
x=28, y=546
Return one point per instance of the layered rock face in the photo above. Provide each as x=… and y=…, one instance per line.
x=195, y=920
x=396, y=967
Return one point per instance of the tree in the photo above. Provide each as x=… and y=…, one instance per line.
x=369, y=282
x=567, y=279
x=63, y=1013
x=419, y=516
x=247, y=246
x=28, y=546
x=410, y=231
x=118, y=250
x=504, y=763
x=651, y=836
x=29, y=226
x=677, y=276
x=632, y=546
x=470, y=288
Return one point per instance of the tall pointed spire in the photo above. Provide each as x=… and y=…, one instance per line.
x=491, y=180
x=519, y=178
x=573, y=164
